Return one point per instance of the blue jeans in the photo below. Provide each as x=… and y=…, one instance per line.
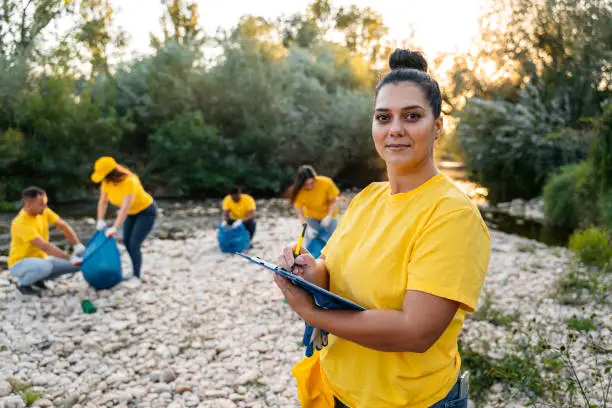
x=451, y=400
x=316, y=225
x=135, y=229
x=32, y=270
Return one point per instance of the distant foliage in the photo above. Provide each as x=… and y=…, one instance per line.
x=276, y=97
x=528, y=96
x=513, y=147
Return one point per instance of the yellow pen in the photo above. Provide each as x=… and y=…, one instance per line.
x=298, y=247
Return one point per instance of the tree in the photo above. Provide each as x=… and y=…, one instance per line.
x=23, y=25
x=180, y=24
x=95, y=33
x=362, y=28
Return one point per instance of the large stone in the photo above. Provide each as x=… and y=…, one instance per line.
x=168, y=375
x=13, y=401
x=5, y=388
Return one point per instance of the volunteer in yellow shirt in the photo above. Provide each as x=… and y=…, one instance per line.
x=314, y=198
x=32, y=258
x=137, y=209
x=239, y=208
x=413, y=251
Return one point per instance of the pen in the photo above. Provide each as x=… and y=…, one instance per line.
x=298, y=246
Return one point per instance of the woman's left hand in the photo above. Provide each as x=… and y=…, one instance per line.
x=110, y=232
x=297, y=298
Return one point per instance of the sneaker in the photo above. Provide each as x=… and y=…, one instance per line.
x=41, y=285
x=27, y=290
x=133, y=283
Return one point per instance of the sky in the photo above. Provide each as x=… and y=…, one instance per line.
x=439, y=25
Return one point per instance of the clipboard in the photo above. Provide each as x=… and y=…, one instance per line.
x=324, y=298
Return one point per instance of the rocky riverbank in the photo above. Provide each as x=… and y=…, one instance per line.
x=206, y=329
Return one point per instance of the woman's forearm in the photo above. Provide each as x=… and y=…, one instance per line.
x=124, y=210
x=102, y=206
x=332, y=207
x=300, y=214
x=382, y=330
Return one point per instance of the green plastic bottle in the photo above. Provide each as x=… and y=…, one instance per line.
x=88, y=307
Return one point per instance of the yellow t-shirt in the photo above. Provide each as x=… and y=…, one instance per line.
x=129, y=185
x=431, y=239
x=315, y=202
x=239, y=210
x=24, y=229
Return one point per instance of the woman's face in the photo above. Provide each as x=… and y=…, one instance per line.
x=404, y=128
x=309, y=184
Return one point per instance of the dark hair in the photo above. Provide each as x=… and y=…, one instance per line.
x=304, y=173
x=117, y=174
x=411, y=66
x=32, y=192
x=235, y=190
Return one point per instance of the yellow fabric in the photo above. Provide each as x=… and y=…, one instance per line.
x=239, y=210
x=315, y=202
x=24, y=229
x=102, y=167
x=431, y=239
x=130, y=185
x=313, y=391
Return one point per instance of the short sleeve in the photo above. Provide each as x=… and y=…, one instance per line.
x=226, y=203
x=450, y=258
x=298, y=201
x=24, y=232
x=103, y=189
x=332, y=190
x=251, y=204
x=51, y=216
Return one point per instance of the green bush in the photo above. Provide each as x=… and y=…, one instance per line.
x=591, y=246
x=605, y=207
x=511, y=148
x=602, y=153
x=569, y=196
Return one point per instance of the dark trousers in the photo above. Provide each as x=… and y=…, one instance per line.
x=250, y=225
x=135, y=229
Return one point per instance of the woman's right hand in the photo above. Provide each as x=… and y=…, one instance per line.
x=303, y=265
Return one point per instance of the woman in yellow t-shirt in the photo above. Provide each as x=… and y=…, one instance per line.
x=413, y=251
x=314, y=199
x=137, y=209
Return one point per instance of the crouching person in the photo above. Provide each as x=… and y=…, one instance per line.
x=32, y=258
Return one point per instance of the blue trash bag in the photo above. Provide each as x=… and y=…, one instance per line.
x=233, y=239
x=318, y=243
x=101, y=265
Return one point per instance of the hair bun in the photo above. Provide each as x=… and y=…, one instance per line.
x=407, y=59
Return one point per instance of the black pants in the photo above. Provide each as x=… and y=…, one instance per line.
x=135, y=229
x=250, y=225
